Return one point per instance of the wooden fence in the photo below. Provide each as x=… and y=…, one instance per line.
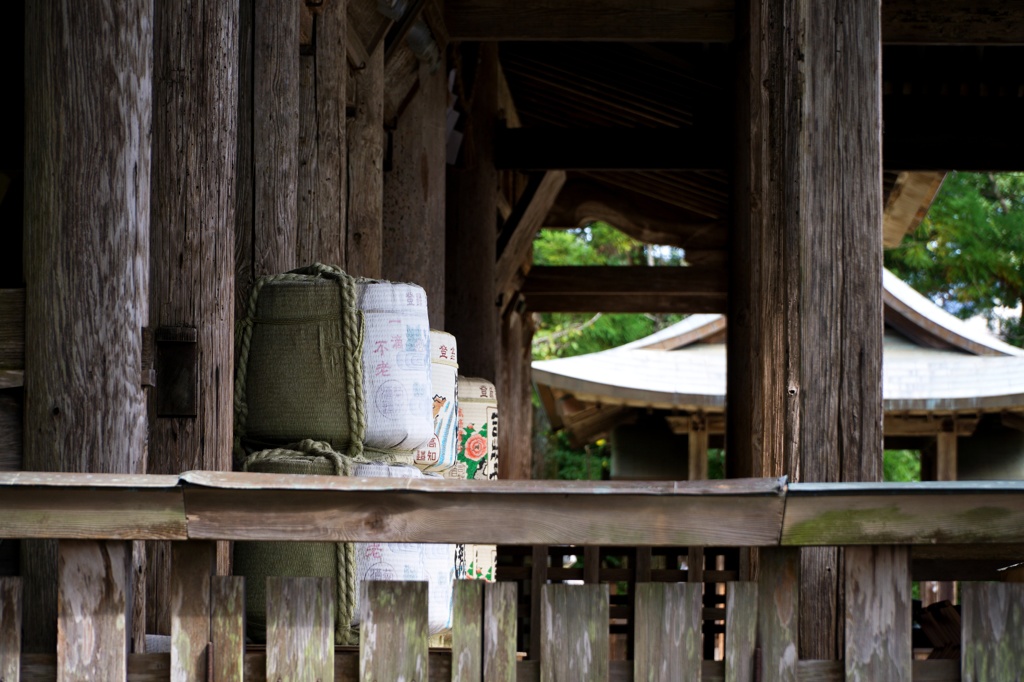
x=881, y=526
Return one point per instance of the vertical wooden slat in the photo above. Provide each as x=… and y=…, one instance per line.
x=414, y=196
x=471, y=216
x=307, y=234
x=10, y=629
x=192, y=564
x=778, y=610
x=92, y=639
x=365, y=177
x=993, y=631
x=538, y=578
x=933, y=592
x=88, y=97
x=740, y=631
x=275, y=134
x=393, y=631
x=300, y=629
x=467, y=631
x=227, y=635
x=878, y=613
x=500, y=632
x=574, y=633
x=668, y=632
x=591, y=564
x=332, y=142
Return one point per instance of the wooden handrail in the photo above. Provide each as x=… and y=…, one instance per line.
x=745, y=512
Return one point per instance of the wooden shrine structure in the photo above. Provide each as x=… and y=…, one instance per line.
x=164, y=155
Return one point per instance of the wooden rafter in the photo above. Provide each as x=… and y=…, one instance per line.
x=908, y=203
x=515, y=240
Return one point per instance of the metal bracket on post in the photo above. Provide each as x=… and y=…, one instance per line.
x=177, y=369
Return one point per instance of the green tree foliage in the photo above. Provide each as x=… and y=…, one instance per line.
x=565, y=334
x=901, y=466
x=968, y=253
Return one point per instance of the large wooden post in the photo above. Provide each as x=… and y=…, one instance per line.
x=366, y=169
x=195, y=94
x=414, y=196
x=805, y=297
x=515, y=443
x=87, y=161
x=472, y=220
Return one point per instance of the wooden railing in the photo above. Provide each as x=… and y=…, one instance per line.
x=881, y=525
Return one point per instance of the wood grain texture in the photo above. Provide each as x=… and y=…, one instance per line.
x=11, y=430
x=300, y=629
x=10, y=629
x=275, y=135
x=878, y=613
x=993, y=622
x=778, y=611
x=468, y=631
x=86, y=230
x=12, y=328
x=889, y=515
x=365, y=177
x=809, y=161
x=192, y=564
x=514, y=389
x=195, y=129
x=516, y=238
x=393, y=631
x=227, y=628
x=91, y=635
x=740, y=631
x=244, y=162
x=668, y=632
x=471, y=208
x=414, y=197
x=500, y=601
x=126, y=515
x=574, y=633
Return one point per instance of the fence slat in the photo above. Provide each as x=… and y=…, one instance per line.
x=740, y=631
x=878, y=614
x=227, y=607
x=500, y=632
x=10, y=629
x=300, y=629
x=668, y=629
x=192, y=564
x=393, y=631
x=778, y=606
x=467, y=631
x=92, y=641
x=993, y=631
x=574, y=633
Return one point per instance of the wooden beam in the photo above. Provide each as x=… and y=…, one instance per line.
x=723, y=513
x=908, y=203
x=12, y=329
x=365, y=176
x=516, y=237
x=640, y=288
x=368, y=24
x=957, y=22
x=581, y=202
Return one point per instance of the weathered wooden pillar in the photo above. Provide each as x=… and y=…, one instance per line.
x=87, y=161
x=414, y=195
x=514, y=388
x=805, y=296
x=195, y=91
x=366, y=169
x=472, y=216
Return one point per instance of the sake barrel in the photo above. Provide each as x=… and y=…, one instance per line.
x=441, y=451
x=396, y=366
x=477, y=459
x=298, y=374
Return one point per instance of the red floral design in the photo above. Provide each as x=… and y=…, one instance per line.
x=476, y=447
